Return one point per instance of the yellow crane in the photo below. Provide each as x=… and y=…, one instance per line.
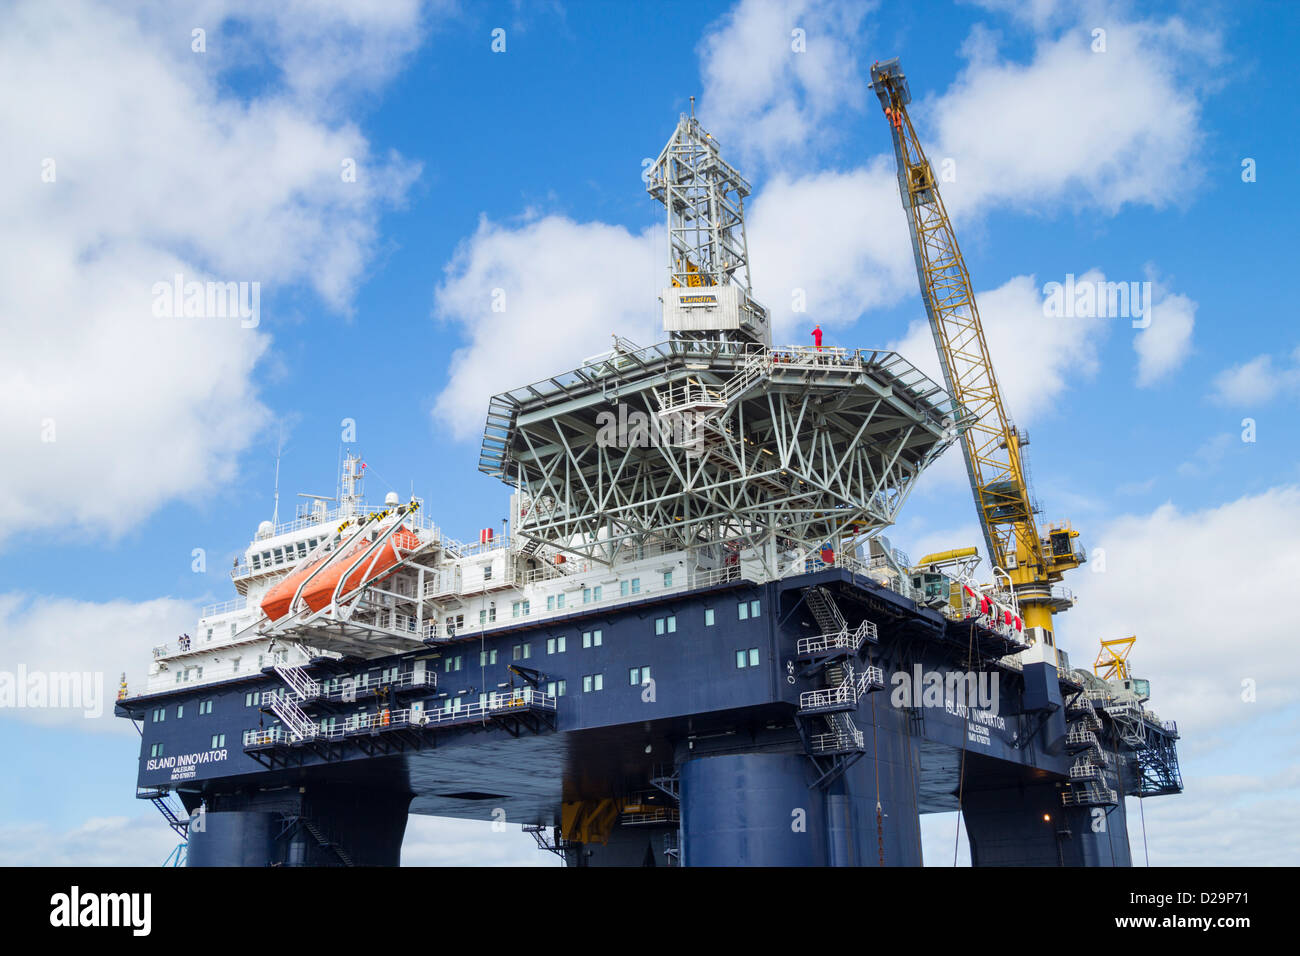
x=1112, y=659
x=992, y=446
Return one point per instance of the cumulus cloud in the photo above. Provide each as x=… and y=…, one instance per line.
x=537, y=299
x=836, y=242
x=1036, y=357
x=1258, y=381
x=1187, y=583
x=83, y=647
x=329, y=52
x=137, y=163
x=1073, y=126
x=775, y=72
x=1037, y=13
x=1165, y=344
x=1070, y=127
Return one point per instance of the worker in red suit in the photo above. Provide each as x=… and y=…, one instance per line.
x=817, y=337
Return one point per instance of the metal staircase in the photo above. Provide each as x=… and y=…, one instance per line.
x=285, y=706
x=844, y=689
x=298, y=681
x=160, y=798
x=672, y=847
x=550, y=839
x=834, y=659
x=845, y=640
x=824, y=610
x=326, y=842
x=293, y=822
x=1089, y=784
x=693, y=395
x=718, y=442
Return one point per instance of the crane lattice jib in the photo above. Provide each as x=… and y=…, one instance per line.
x=991, y=446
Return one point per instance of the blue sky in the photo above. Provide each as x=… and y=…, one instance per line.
x=520, y=170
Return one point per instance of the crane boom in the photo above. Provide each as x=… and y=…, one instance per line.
x=992, y=446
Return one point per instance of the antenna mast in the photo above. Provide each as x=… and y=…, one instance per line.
x=279, y=447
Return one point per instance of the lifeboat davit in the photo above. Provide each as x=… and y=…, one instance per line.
x=320, y=590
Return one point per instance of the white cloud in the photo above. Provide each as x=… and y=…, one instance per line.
x=1190, y=586
x=1258, y=381
x=1037, y=13
x=1035, y=357
x=1221, y=820
x=88, y=643
x=1070, y=127
x=99, y=841
x=442, y=841
x=328, y=51
x=769, y=100
x=839, y=238
x=1073, y=127
x=565, y=287
x=1165, y=344
x=159, y=169
x=1121, y=127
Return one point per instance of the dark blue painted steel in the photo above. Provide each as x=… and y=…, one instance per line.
x=738, y=792
x=1027, y=826
x=244, y=838
x=751, y=809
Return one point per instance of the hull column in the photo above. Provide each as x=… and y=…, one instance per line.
x=1027, y=826
x=324, y=825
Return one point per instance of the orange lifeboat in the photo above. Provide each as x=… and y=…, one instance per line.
x=320, y=589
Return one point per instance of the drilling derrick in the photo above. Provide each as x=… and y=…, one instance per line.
x=713, y=442
x=709, y=295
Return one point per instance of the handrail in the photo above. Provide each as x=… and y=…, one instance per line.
x=501, y=702
x=844, y=638
x=225, y=607
x=838, y=740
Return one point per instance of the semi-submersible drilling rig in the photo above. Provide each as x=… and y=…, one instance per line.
x=690, y=645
